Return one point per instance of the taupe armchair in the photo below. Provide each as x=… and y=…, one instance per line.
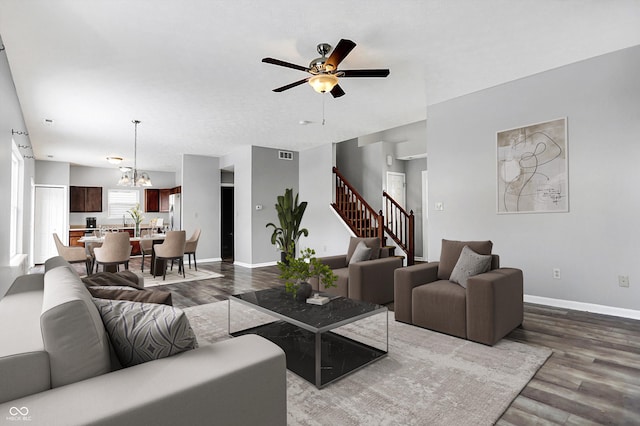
x=171, y=249
x=115, y=250
x=190, y=247
x=73, y=254
x=370, y=280
x=485, y=311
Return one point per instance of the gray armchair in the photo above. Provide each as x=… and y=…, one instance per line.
x=485, y=311
x=370, y=280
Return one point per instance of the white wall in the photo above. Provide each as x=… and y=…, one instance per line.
x=201, y=203
x=327, y=234
x=598, y=239
x=11, y=119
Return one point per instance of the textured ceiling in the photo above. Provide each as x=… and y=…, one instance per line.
x=191, y=71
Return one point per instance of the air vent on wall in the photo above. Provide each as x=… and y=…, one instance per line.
x=285, y=155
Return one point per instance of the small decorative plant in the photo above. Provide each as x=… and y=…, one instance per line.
x=298, y=270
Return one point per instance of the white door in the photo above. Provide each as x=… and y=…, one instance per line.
x=49, y=217
x=396, y=187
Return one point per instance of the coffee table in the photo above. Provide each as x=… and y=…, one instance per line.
x=316, y=350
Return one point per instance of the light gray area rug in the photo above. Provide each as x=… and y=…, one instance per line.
x=428, y=378
x=174, y=276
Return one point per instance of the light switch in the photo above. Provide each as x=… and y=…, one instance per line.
x=439, y=206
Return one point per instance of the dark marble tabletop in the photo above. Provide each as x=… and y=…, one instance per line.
x=337, y=311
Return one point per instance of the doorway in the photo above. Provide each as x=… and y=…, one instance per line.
x=226, y=220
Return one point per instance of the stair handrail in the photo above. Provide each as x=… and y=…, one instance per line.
x=403, y=233
x=378, y=215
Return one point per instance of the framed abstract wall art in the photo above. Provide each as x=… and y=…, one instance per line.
x=532, y=168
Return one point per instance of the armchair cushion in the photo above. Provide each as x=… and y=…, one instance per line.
x=451, y=252
x=142, y=332
x=372, y=243
x=469, y=264
x=361, y=253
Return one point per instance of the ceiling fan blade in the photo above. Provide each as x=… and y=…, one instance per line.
x=341, y=51
x=289, y=86
x=337, y=91
x=284, y=64
x=365, y=73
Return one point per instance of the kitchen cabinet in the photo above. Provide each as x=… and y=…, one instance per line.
x=157, y=200
x=74, y=236
x=85, y=199
x=164, y=200
x=151, y=200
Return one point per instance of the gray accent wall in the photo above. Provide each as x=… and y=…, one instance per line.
x=201, y=203
x=597, y=240
x=270, y=177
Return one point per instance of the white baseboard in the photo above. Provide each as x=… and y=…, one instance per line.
x=212, y=259
x=254, y=265
x=586, y=307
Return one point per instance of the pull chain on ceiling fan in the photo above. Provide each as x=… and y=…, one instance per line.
x=325, y=75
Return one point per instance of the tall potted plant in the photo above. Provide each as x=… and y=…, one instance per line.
x=297, y=271
x=290, y=214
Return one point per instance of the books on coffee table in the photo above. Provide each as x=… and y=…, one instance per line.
x=318, y=300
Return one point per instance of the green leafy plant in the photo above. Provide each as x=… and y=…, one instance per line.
x=300, y=269
x=290, y=214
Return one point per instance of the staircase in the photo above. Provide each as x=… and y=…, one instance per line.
x=364, y=221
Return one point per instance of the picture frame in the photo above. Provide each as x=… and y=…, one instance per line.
x=532, y=168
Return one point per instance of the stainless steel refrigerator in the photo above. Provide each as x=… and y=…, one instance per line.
x=175, y=212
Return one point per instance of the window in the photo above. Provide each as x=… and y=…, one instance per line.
x=120, y=201
x=17, y=163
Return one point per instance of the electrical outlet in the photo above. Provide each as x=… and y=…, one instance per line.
x=556, y=273
x=623, y=280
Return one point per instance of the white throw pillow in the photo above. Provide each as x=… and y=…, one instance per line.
x=361, y=253
x=142, y=332
x=469, y=264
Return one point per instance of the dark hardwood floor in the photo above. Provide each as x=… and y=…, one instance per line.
x=592, y=377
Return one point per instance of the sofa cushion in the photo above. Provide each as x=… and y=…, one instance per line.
x=126, y=278
x=451, y=252
x=142, y=332
x=372, y=243
x=469, y=264
x=72, y=329
x=361, y=253
x=132, y=294
x=440, y=306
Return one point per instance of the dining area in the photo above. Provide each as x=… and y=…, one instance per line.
x=110, y=249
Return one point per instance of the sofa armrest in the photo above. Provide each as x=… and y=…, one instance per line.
x=335, y=262
x=372, y=280
x=239, y=381
x=494, y=304
x=405, y=280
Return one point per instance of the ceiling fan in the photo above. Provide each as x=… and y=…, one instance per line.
x=324, y=71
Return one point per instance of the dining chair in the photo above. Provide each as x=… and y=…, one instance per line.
x=171, y=249
x=146, y=244
x=73, y=254
x=190, y=247
x=115, y=250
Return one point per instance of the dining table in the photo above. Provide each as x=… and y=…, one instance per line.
x=155, y=238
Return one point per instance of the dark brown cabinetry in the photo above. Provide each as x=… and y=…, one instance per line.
x=151, y=200
x=74, y=236
x=157, y=200
x=85, y=199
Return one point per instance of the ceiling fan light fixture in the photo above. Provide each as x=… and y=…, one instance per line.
x=323, y=83
x=114, y=160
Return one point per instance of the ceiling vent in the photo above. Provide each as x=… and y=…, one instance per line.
x=285, y=155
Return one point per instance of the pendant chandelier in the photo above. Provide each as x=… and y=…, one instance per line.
x=134, y=177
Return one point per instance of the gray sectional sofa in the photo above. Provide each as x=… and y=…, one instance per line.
x=57, y=367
